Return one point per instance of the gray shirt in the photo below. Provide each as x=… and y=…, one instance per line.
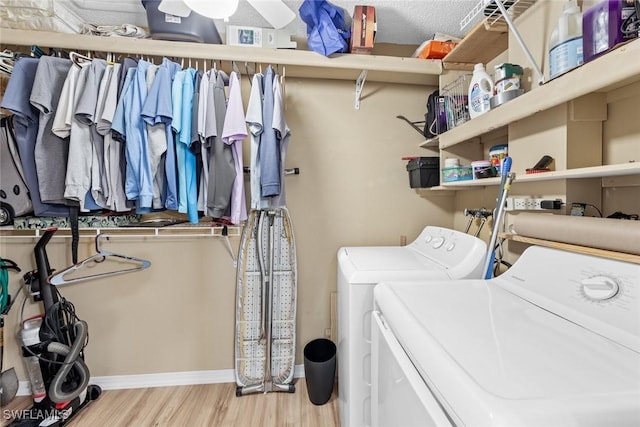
x=50, y=151
x=222, y=171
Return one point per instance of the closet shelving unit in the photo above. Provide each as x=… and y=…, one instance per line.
x=605, y=74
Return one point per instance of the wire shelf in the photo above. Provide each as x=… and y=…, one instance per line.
x=456, y=101
x=490, y=12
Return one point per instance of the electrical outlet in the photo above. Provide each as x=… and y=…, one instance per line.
x=525, y=203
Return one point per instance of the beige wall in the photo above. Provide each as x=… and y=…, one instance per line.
x=353, y=190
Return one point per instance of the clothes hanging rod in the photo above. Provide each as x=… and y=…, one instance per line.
x=131, y=232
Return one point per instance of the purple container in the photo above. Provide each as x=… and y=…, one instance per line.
x=601, y=28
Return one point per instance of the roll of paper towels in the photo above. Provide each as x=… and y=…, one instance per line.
x=604, y=233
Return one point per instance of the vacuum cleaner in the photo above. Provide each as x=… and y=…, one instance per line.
x=52, y=349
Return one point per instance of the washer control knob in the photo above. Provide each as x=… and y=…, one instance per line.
x=428, y=238
x=437, y=242
x=450, y=247
x=599, y=288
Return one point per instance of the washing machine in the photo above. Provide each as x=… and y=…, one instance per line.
x=437, y=253
x=554, y=341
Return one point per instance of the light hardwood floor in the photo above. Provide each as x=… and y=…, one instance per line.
x=214, y=405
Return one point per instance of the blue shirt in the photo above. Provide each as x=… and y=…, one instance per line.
x=158, y=109
x=188, y=183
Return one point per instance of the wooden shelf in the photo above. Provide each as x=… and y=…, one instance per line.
x=620, y=256
x=431, y=143
x=487, y=39
x=589, y=172
x=480, y=45
x=299, y=63
x=616, y=69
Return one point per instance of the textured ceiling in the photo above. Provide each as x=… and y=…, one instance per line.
x=401, y=22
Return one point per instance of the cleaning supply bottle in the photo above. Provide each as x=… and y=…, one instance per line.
x=480, y=90
x=565, y=44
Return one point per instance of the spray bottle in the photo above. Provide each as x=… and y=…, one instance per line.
x=565, y=44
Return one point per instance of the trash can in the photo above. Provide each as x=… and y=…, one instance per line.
x=320, y=369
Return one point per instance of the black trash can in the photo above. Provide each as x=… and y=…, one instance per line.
x=320, y=369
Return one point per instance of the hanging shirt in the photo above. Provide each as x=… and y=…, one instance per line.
x=283, y=134
x=234, y=133
x=26, y=121
x=99, y=172
x=158, y=111
x=222, y=172
x=269, y=152
x=187, y=183
x=120, y=124
x=156, y=139
x=203, y=179
x=113, y=148
x=78, y=162
x=254, y=121
x=196, y=146
x=51, y=151
x=92, y=148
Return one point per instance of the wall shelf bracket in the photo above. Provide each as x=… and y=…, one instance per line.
x=359, y=86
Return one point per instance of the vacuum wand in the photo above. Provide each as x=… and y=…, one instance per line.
x=505, y=185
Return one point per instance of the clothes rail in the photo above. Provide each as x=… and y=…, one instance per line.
x=137, y=233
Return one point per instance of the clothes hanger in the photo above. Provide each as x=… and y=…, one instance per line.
x=78, y=58
x=102, y=255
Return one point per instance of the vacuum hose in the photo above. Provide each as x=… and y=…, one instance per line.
x=72, y=360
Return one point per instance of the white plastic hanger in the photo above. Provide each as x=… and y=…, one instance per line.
x=139, y=264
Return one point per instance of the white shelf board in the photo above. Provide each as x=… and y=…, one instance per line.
x=615, y=69
x=622, y=169
x=300, y=63
x=430, y=143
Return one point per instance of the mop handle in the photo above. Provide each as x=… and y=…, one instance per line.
x=505, y=185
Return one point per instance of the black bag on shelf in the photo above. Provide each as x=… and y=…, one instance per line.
x=435, y=118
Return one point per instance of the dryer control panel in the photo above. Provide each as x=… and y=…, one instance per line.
x=600, y=294
x=453, y=249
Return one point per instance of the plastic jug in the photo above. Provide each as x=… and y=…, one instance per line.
x=480, y=91
x=565, y=44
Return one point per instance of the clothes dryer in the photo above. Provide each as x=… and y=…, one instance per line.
x=437, y=253
x=554, y=341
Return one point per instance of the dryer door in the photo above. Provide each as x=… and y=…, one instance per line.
x=399, y=395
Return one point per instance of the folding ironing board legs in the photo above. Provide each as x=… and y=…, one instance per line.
x=265, y=306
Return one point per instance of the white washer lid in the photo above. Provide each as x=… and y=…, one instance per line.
x=492, y=358
x=380, y=258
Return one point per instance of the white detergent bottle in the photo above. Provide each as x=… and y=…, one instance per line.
x=480, y=91
x=565, y=44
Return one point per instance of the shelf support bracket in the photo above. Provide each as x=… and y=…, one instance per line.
x=359, y=86
x=520, y=40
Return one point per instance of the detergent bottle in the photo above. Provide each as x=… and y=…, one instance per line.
x=565, y=44
x=480, y=91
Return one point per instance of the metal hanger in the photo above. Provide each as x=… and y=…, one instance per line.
x=102, y=255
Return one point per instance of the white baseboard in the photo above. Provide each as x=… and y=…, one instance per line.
x=167, y=379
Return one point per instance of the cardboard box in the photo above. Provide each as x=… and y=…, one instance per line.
x=363, y=29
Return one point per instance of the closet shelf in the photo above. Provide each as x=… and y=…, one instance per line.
x=431, y=142
x=622, y=169
x=616, y=69
x=298, y=63
x=487, y=39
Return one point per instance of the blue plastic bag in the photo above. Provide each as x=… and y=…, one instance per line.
x=327, y=29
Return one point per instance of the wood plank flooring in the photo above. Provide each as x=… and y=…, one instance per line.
x=214, y=405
